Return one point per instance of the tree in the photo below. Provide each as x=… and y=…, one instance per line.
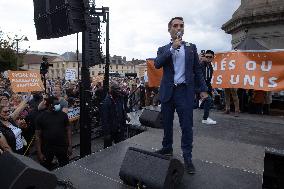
x=8, y=53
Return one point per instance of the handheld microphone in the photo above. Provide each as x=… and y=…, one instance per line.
x=179, y=35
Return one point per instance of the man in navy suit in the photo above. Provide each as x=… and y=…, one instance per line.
x=182, y=74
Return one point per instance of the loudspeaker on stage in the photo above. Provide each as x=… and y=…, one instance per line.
x=150, y=169
x=21, y=172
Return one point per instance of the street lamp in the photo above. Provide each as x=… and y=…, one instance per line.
x=23, y=38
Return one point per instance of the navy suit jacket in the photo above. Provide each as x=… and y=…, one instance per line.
x=193, y=72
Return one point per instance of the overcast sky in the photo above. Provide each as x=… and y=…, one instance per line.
x=137, y=27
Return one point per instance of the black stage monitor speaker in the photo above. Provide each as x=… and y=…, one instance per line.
x=20, y=172
x=273, y=175
x=150, y=169
x=151, y=118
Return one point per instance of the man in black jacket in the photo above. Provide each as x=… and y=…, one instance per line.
x=113, y=116
x=53, y=134
x=207, y=70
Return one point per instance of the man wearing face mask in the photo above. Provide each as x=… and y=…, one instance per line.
x=53, y=134
x=57, y=93
x=114, y=116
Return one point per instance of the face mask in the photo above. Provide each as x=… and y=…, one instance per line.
x=57, y=107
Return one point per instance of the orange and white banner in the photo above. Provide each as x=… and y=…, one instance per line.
x=25, y=81
x=259, y=70
x=154, y=75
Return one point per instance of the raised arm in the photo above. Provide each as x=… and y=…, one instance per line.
x=4, y=146
x=21, y=107
x=164, y=56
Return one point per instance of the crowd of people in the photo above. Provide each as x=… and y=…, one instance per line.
x=20, y=123
x=41, y=119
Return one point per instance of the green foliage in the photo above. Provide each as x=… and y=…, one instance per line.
x=8, y=53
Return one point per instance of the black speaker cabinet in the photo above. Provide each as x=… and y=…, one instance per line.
x=151, y=118
x=150, y=169
x=57, y=18
x=273, y=175
x=20, y=172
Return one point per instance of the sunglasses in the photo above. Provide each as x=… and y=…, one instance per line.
x=176, y=25
x=208, y=56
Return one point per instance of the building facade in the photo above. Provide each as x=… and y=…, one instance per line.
x=60, y=63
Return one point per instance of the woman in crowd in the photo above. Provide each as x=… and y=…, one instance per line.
x=4, y=101
x=3, y=144
x=10, y=129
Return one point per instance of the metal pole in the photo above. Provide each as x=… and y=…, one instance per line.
x=85, y=97
x=106, y=78
x=17, y=59
x=17, y=46
x=77, y=53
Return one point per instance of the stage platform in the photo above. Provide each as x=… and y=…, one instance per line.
x=100, y=170
x=228, y=155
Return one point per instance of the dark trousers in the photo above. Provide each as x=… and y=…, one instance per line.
x=20, y=151
x=207, y=105
x=184, y=107
x=113, y=137
x=60, y=152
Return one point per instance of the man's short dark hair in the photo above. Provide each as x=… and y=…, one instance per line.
x=51, y=101
x=114, y=86
x=170, y=22
x=210, y=52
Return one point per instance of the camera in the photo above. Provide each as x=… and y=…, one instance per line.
x=44, y=65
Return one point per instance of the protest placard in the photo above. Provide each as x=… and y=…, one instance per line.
x=25, y=81
x=98, y=78
x=70, y=74
x=73, y=114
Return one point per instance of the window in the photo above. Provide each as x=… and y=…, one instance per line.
x=110, y=67
x=100, y=66
x=116, y=66
x=93, y=72
x=74, y=65
x=113, y=61
x=121, y=67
